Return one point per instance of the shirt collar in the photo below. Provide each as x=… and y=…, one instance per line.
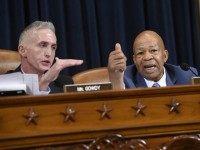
x=22, y=71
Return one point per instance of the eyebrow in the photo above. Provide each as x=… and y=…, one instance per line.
x=47, y=42
x=153, y=45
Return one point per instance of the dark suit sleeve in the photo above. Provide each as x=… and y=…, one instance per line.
x=57, y=85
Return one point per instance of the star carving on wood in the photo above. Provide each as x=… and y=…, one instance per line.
x=31, y=117
x=104, y=111
x=174, y=106
x=139, y=108
x=69, y=114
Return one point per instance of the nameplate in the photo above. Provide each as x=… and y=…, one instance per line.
x=195, y=80
x=87, y=87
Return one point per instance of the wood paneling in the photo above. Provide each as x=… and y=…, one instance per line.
x=157, y=123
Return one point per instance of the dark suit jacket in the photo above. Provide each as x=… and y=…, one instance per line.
x=55, y=86
x=174, y=76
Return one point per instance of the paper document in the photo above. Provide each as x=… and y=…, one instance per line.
x=19, y=81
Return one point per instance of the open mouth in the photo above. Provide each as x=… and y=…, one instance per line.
x=46, y=62
x=149, y=68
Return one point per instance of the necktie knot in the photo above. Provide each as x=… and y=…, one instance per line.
x=155, y=85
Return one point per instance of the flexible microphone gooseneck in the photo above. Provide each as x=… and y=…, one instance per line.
x=186, y=67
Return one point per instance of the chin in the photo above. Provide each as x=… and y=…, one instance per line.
x=154, y=78
x=44, y=69
x=151, y=77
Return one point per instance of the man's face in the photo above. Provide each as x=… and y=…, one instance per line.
x=150, y=56
x=40, y=50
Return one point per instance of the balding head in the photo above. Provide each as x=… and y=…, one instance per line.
x=149, y=55
x=148, y=35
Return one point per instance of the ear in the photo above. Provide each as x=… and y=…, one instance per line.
x=166, y=55
x=134, y=58
x=22, y=51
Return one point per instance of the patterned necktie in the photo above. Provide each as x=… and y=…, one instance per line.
x=155, y=85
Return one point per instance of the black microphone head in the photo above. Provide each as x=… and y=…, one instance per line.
x=185, y=66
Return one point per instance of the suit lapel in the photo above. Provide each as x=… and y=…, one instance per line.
x=170, y=76
x=169, y=82
x=18, y=69
x=140, y=82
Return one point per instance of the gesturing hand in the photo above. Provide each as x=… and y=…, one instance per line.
x=54, y=71
x=116, y=67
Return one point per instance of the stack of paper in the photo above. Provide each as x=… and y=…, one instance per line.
x=19, y=81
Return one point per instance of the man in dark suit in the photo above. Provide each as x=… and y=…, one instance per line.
x=37, y=47
x=150, y=68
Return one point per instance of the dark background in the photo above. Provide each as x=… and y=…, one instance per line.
x=88, y=29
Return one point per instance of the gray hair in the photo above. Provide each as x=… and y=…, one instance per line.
x=36, y=26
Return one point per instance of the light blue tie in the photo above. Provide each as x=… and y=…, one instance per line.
x=155, y=85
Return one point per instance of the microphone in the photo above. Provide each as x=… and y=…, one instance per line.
x=186, y=67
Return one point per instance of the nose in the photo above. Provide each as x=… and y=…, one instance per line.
x=147, y=56
x=48, y=52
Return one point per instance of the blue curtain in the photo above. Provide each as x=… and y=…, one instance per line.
x=88, y=29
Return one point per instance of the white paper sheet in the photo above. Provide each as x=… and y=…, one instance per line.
x=18, y=81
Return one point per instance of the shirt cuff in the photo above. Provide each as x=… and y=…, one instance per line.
x=45, y=92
